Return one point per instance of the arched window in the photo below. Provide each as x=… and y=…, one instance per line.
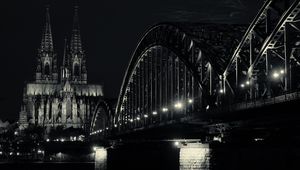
x=47, y=69
x=76, y=70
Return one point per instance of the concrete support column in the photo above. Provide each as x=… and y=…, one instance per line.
x=194, y=156
x=100, y=158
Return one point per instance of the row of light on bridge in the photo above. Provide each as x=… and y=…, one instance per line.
x=99, y=131
x=178, y=106
x=276, y=75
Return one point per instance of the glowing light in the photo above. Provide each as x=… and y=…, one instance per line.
x=207, y=107
x=275, y=75
x=190, y=101
x=176, y=143
x=258, y=139
x=131, y=120
x=100, y=157
x=106, y=128
x=115, y=125
x=95, y=148
x=145, y=116
x=1, y=152
x=138, y=118
x=62, y=139
x=248, y=82
x=10, y=153
x=242, y=85
x=164, y=109
x=178, y=105
x=217, y=138
x=154, y=112
x=39, y=151
x=221, y=91
x=18, y=153
x=281, y=71
x=48, y=140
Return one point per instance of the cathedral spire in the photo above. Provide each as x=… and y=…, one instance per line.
x=46, y=71
x=76, y=45
x=47, y=41
x=77, y=65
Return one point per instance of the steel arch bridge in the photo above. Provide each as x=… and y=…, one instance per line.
x=183, y=70
x=102, y=118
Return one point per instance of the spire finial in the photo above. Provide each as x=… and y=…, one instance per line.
x=76, y=45
x=47, y=42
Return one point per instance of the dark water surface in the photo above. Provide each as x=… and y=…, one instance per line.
x=169, y=157
x=47, y=166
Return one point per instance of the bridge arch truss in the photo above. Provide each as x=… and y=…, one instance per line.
x=182, y=70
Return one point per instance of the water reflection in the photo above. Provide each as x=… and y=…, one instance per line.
x=194, y=156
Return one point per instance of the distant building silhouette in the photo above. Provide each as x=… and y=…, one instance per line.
x=67, y=99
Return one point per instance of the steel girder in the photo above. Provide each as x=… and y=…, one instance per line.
x=102, y=118
x=196, y=55
x=265, y=52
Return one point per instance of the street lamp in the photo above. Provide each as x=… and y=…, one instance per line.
x=178, y=105
x=154, y=112
x=164, y=109
x=176, y=143
x=275, y=75
x=190, y=101
x=281, y=71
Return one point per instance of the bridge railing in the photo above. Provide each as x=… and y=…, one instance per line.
x=260, y=102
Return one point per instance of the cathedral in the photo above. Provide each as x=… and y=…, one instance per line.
x=60, y=95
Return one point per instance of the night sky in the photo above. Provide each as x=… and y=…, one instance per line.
x=110, y=31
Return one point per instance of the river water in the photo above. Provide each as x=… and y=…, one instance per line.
x=186, y=157
x=204, y=157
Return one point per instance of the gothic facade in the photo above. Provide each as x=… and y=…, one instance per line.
x=60, y=97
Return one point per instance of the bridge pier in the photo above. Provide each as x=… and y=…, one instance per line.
x=194, y=156
x=100, y=158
